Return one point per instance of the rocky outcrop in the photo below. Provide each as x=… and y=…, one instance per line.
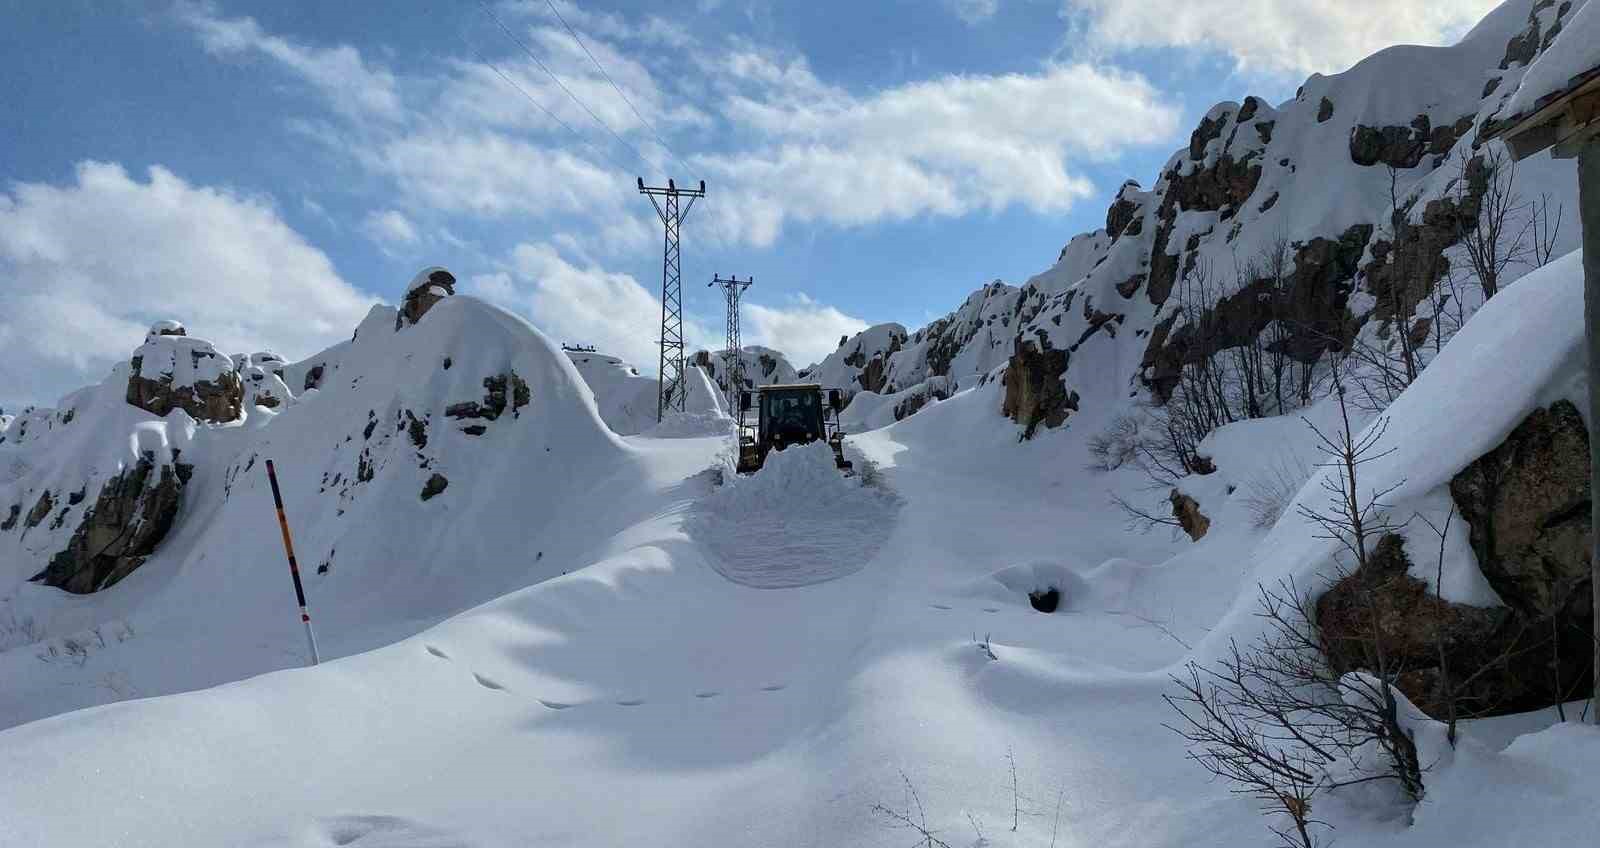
x=129, y=519
x=435, y=485
x=500, y=391
x=1404, y=270
x=936, y=388
x=1187, y=512
x=1395, y=146
x=427, y=288
x=172, y=371
x=1034, y=393
x=1313, y=299
x=41, y=510
x=1123, y=212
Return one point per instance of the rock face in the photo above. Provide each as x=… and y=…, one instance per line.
x=1187, y=510
x=1034, y=392
x=130, y=517
x=1527, y=506
x=1527, y=502
x=428, y=287
x=174, y=371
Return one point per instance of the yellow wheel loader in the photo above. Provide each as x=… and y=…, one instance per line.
x=788, y=414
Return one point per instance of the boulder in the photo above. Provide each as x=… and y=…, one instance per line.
x=1187, y=511
x=1526, y=504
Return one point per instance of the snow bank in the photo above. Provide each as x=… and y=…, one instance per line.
x=796, y=522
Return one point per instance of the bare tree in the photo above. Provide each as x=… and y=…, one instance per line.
x=1498, y=235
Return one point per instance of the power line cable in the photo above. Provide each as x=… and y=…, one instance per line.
x=601, y=68
x=563, y=86
x=542, y=108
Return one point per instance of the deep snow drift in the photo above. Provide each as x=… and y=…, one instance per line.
x=796, y=522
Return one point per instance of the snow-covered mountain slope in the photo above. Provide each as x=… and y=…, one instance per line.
x=763, y=366
x=1308, y=180
x=733, y=714
x=434, y=469
x=569, y=617
x=628, y=401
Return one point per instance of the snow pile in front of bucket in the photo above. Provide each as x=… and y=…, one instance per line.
x=796, y=522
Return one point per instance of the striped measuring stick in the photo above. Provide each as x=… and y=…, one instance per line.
x=294, y=567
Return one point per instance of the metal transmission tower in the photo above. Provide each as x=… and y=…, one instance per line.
x=670, y=387
x=732, y=361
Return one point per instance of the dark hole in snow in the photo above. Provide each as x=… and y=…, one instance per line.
x=1046, y=600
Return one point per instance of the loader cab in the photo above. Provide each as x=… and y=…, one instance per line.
x=788, y=414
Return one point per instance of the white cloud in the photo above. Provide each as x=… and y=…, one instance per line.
x=87, y=266
x=389, y=229
x=947, y=146
x=350, y=84
x=805, y=331
x=1275, y=37
x=974, y=11
x=581, y=304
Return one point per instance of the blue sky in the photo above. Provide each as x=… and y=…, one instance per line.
x=265, y=171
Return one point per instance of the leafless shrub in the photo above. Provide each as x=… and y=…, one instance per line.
x=985, y=647
x=1117, y=445
x=16, y=632
x=913, y=817
x=1269, y=493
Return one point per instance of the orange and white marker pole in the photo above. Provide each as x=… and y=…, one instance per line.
x=294, y=567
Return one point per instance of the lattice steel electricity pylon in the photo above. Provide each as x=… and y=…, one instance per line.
x=732, y=361
x=670, y=388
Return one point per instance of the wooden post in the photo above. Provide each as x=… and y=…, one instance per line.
x=1589, y=215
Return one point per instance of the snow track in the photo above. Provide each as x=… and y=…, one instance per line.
x=796, y=522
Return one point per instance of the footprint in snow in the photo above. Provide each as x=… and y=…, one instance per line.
x=706, y=694
x=376, y=830
x=487, y=683
x=775, y=687
x=939, y=606
x=438, y=653
x=630, y=702
x=554, y=705
x=991, y=609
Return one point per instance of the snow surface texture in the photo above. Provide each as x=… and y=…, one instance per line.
x=796, y=522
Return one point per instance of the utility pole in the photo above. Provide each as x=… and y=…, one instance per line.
x=670, y=388
x=732, y=358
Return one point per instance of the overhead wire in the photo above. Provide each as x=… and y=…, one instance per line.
x=542, y=108
x=618, y=89
x=563, y=86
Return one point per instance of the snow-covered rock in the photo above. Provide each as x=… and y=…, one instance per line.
x=861, y=362
x=428, y=287
x=172, y=371
x=763, y=366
